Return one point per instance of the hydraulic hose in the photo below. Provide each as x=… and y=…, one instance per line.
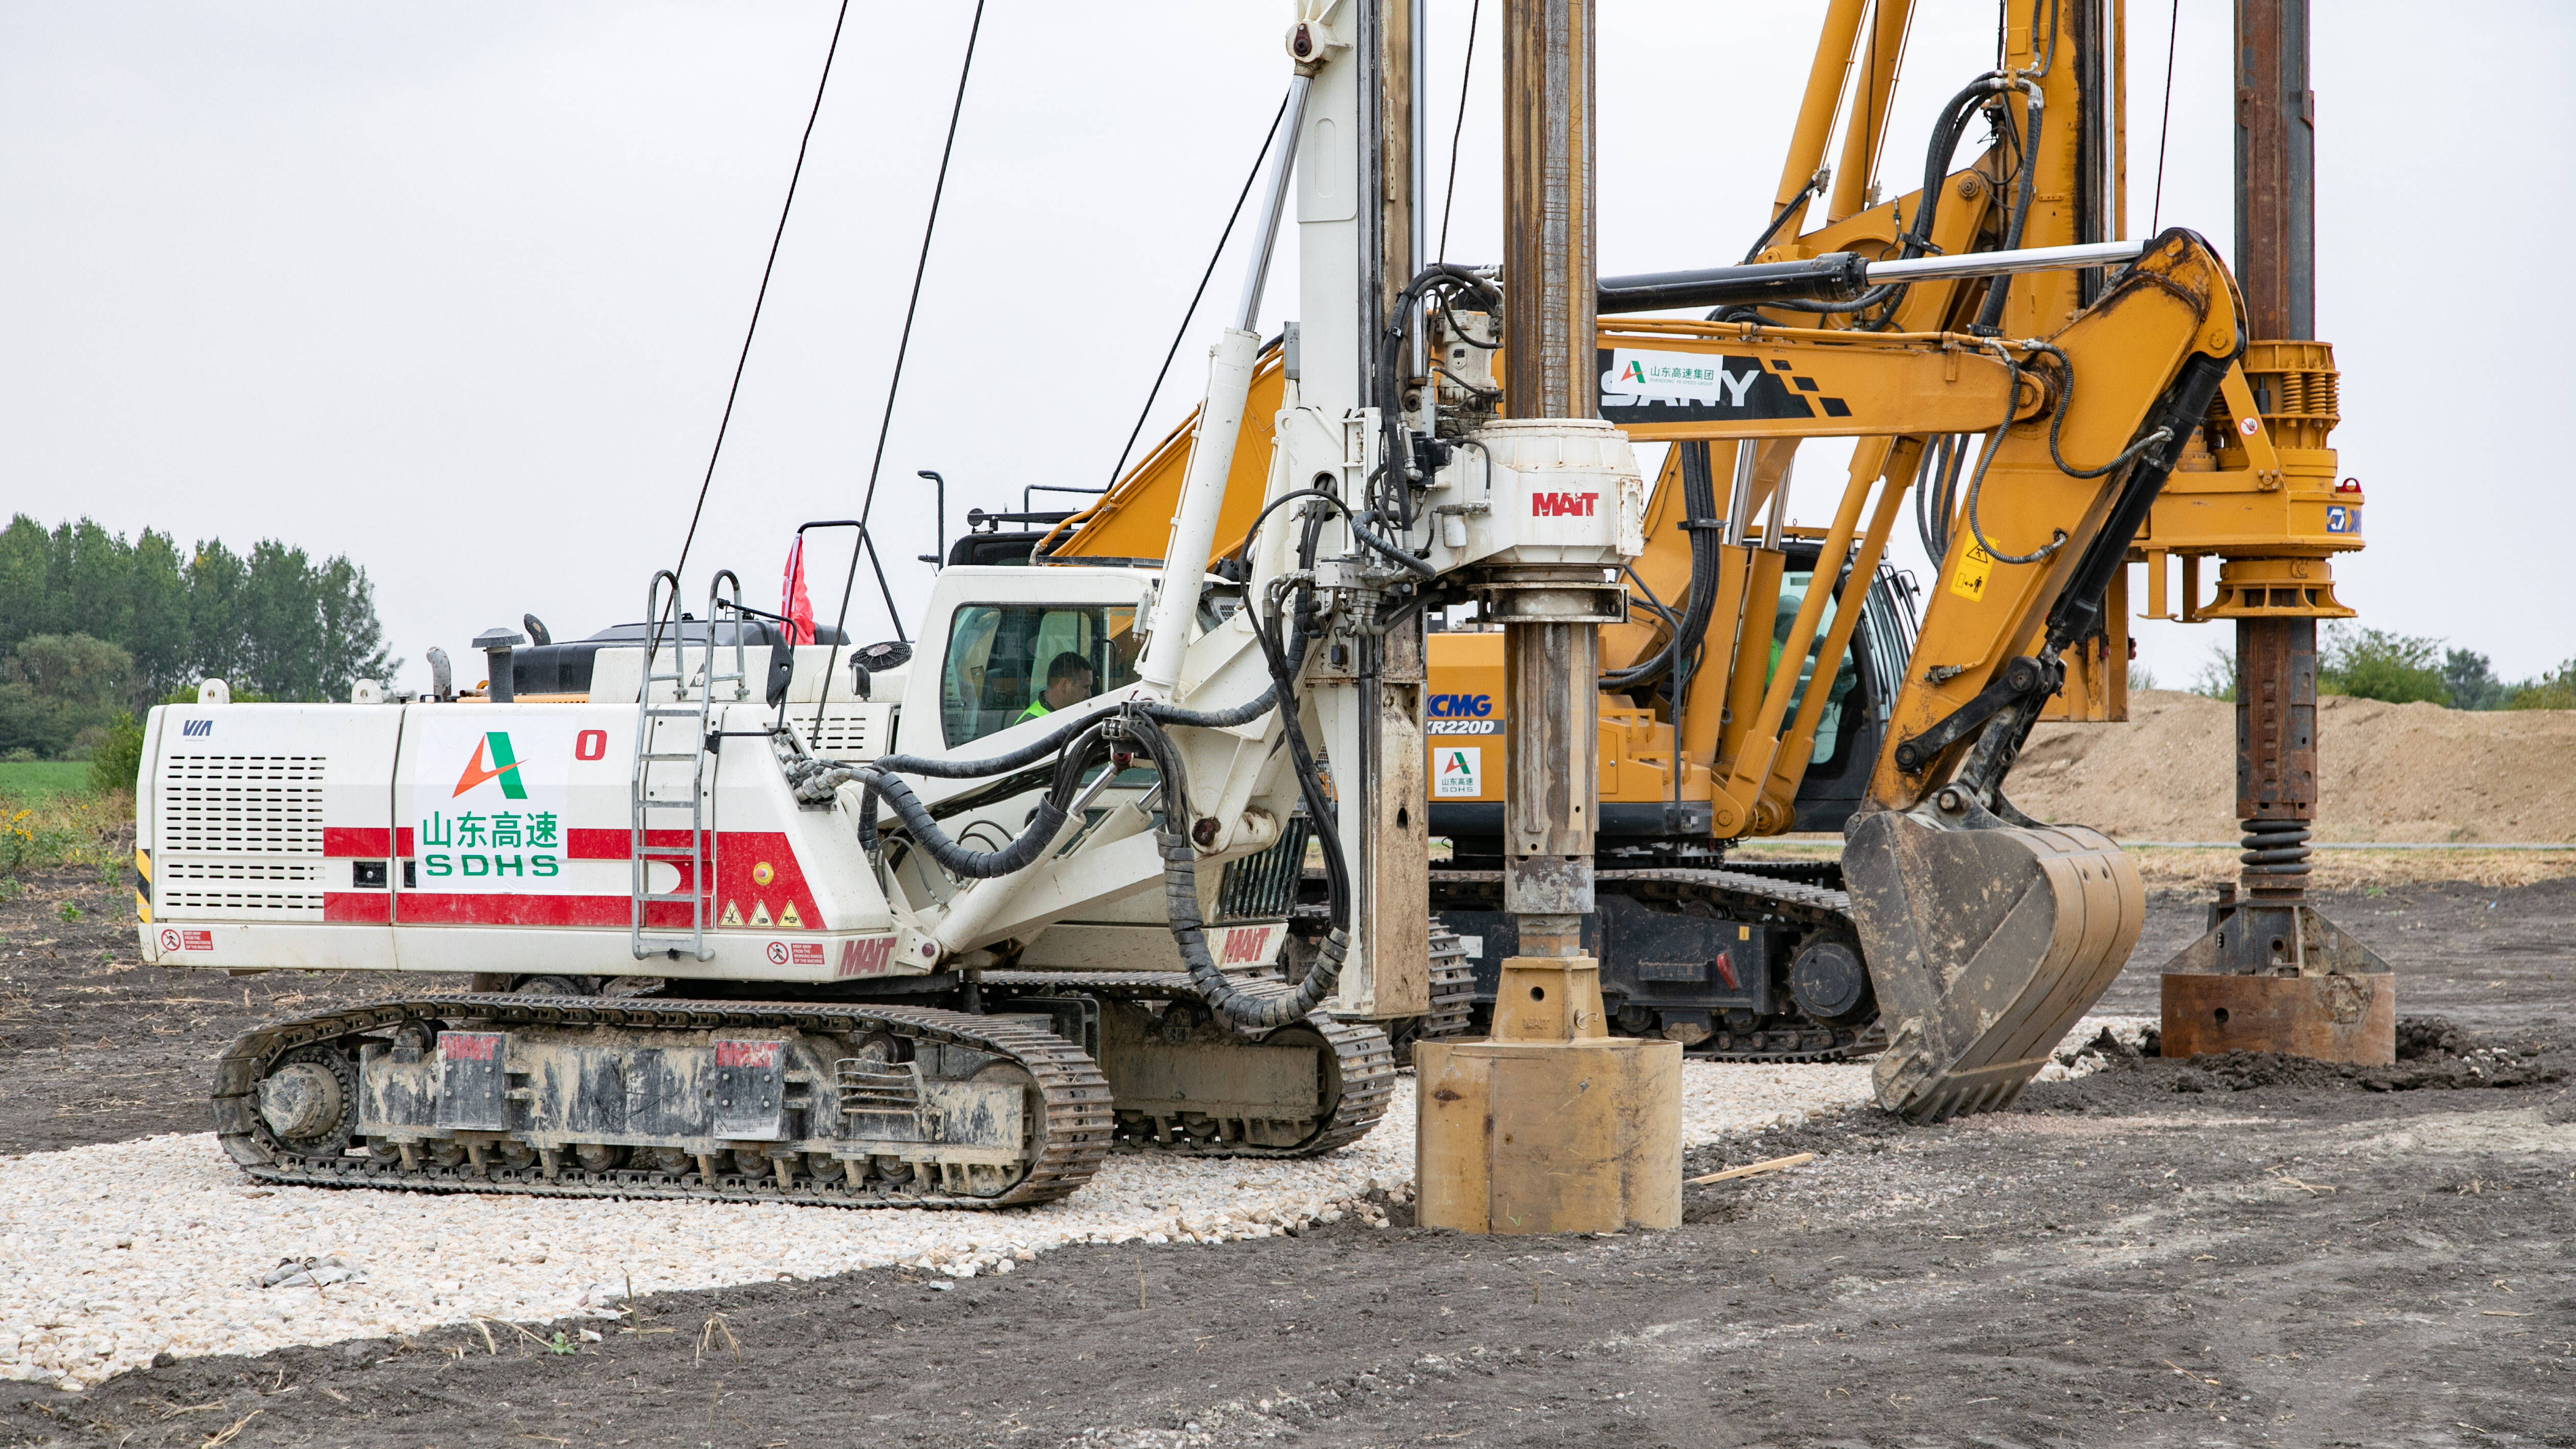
x=1699, y=517
x=1917, y=237
x=1395, y=503
x=1189, y=926
x=1214, y=719
x=1992, y=312
x=962, y=861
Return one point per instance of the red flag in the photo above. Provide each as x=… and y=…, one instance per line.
x=792, y=601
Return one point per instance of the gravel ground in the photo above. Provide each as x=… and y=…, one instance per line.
x=1977, y=1281
x=2231, y=1251
x=114, y=1254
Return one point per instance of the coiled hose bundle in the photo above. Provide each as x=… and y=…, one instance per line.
x=1076, y=747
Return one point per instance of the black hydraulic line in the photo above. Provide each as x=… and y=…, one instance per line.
x=1189, y=926
x=1699, y=510
x=970, y=864
x=1833, y=277
x=1997, y=289
x=1927, y=485
x=1410, y=563
x=2079, y=607
x=1213, y=719
x=1662, y=610
x=1916, y=239
x=2078, y=611
x=1392, y=481
x=1795, y=205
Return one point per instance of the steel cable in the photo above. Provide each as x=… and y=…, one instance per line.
x=743, y=359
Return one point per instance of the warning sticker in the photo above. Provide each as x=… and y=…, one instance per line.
x=178, y=940
x=1975, y=567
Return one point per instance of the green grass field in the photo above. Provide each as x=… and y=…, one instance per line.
x=43, y=779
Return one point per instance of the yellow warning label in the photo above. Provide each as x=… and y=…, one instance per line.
x=732, y=915
x=787, y=917
x=760, y=913
x=1975, y=566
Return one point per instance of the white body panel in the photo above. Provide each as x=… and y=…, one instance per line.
x=478, y=837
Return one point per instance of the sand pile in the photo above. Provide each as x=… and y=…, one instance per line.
x=2386, y=772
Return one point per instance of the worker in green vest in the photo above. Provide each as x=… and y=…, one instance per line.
x=1069, y=679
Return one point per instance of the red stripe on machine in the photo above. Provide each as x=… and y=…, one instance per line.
x=361, y=842
x=755, y=872
x=502, y=908
x=584, y=843
x=358, y=908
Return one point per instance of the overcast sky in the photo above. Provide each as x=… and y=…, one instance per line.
x=456, y=290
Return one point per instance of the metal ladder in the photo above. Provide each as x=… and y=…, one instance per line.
x=658, y=727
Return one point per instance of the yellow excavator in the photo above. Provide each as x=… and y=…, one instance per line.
x=2058, y=403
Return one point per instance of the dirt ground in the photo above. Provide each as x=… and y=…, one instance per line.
x=2384, y=772
x=2222, y=1251
x=96, y=1046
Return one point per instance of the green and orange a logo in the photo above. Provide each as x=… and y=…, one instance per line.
x=503, y=766
x=1636, y=372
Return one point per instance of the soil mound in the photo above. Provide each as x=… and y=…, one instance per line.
x=2434, y=1054
x=2386, y=772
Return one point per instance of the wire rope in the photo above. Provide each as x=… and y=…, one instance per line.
x=921, y=264
x=1466, y=73
x=2164, y=132
x=743, y=359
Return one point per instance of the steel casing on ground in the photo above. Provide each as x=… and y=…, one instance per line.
x=1552, y=1126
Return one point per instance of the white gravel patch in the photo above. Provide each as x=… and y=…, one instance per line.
x=117, y=1253
x=2075, y=1055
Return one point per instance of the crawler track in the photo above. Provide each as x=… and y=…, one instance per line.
x=1779, y=895
x=1363, y=1060
x=1073, y=1135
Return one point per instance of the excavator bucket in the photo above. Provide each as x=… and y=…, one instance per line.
x=1986, y=942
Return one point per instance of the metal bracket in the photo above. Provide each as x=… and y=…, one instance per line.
x=2023, y=677
x=750, y=1085
x=472, y=1088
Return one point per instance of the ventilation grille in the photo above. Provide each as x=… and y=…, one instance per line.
x=239, y=889
x=850, y=733
x=241, y=804
x=1264, y=886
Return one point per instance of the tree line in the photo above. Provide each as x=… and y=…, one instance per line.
x=92, y=626
x=2408, y=669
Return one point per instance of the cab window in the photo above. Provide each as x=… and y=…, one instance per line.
x=1012, y=662
x=1829, y=725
